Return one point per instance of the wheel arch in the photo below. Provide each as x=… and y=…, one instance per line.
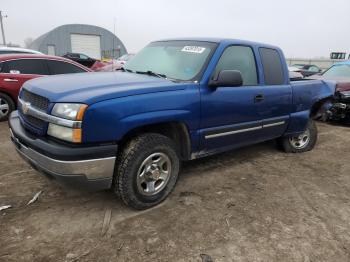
x=320, y=107
x=177, y=131
x=14, y=100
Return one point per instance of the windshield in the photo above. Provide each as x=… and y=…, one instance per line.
x=338, y=70
x=180, y=60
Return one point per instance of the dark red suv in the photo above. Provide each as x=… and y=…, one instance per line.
x=15, y=69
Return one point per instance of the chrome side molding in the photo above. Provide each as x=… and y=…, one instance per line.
x=244, y=130
x=233, y=132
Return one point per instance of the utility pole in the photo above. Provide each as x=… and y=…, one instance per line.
x=2, y=28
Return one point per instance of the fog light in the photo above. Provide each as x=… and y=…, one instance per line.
x=65, y=133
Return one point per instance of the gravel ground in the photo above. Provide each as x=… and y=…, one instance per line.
x=253, y=204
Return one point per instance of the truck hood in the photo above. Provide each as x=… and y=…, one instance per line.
x=91, y=88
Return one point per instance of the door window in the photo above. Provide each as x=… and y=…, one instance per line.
x=59, y=67
x=26, y=66
x=240, y=58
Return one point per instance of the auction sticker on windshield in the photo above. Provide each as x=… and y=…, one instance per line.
x=193, y=49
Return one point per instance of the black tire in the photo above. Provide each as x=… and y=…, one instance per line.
x=132, y=158
x=290, y=144
x=6, y=100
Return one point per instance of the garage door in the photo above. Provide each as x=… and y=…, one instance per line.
x=86, y=44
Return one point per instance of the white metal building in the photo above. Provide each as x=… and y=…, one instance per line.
x=90, y=40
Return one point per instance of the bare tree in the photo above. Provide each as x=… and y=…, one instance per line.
x=28, y=41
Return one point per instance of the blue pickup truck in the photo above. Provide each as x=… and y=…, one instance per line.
x=176, y=100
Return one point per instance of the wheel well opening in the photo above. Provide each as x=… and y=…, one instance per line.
x=10, y=96
x=176, y=131
x=319, y=108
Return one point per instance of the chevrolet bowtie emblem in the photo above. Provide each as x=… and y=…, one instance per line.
x=25, y=107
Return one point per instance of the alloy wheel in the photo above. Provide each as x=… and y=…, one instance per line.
x=153, y=174
x=4, y=108
x=301, y=141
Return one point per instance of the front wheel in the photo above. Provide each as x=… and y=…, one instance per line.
x=147, y=170
x=6, y=106
x=303, y=142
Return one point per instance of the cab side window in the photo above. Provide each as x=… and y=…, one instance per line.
x=240, y=58
x=272, y=64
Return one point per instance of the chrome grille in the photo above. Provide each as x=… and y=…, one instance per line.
x=31, y=123
x=35, y=100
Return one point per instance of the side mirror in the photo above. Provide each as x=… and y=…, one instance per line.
x=227, y=78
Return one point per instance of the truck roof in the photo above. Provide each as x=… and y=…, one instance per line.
x=220, y=40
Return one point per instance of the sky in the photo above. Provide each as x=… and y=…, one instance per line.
x=302, y=28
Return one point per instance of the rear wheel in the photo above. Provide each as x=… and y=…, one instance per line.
x=6, y=106
x=303, y=142
x=147, y=170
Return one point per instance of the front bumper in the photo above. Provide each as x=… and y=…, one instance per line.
x=84, y=167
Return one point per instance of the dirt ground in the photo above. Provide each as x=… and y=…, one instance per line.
x=253, y=204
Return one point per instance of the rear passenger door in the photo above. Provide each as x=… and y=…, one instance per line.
x=60, y=67
x=275, y=106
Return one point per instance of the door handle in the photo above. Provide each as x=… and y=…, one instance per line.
x=258, y=98
x=10, y=80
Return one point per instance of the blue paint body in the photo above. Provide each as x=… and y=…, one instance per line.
x=119, y=102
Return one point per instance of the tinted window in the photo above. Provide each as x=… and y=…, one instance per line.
x=83, y=57
x=72, y=55
x=26, y=66
x=239, y=58
x=59, y=67
x=314, y=69
x=273, y=70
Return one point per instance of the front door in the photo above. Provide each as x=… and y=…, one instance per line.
x=229, y=116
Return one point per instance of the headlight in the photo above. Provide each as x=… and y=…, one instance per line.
x=74, y=112
x=65, y=133
x=69, y=111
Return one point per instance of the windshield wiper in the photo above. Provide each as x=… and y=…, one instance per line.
x=151, y=73
x=124, y=70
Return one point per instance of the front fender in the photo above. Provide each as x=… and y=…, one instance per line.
x=110, y=120
x=134, y=121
